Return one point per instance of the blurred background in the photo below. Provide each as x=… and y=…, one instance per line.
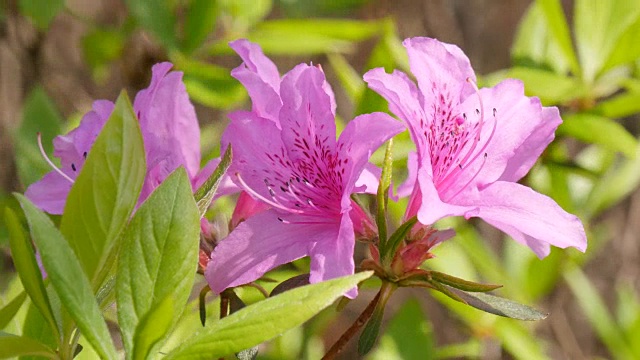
x=57, y=57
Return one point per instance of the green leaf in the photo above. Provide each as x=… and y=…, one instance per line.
x=370, y=332
x=39, y=116
x=102, y=46
x=627, y=49
x=11, y=309
x=350, y=79
x=200, y=21
x=595, y=309
x=205, y=193
x=13, y=345
x=550, y=87
x=598, y=25
x=152, y=328
x=388, y=252
x=500, y=306
x=559, y=30
x=41, y=12
x=157, y=17
x=620, y=106
x=383, y=197
x=158, y=260
x=352, y=30
x=599, y=130
x=264, y=320
x=68, y=279
x=24, y=260
x=461, y=284
x=105, y=193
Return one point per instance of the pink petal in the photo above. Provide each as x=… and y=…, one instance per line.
x=50, y=193
x=409, y=183
x=260, y=77
x=72, y=147
x=306, y=117
x=246, y=207
x=441, y=69
x=260, y=244
x=368, y=180
x=530, y=218
x=332, y=257
x=226, y=186
x=403, y=98
x=361, y=137
x=432, y=208
x=168, y=122
x=523, y=129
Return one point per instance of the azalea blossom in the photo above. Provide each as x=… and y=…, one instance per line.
x=474, y=145
x=171, y=139
x=286, y=155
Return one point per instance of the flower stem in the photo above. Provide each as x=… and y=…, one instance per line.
x=338, y=346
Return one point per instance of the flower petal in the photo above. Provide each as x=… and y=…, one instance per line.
x=407, y=186
x=332, y=257
x=368, y=180
x=530, y=218
x=306, y=117
x=50, y=193
x=72, y=147
x=403, y=98
x=168, y=122
x=226, y=186
x=260, y=244
x=360, y=138
x=432, y=208
x=441, y=69
x=260, y=77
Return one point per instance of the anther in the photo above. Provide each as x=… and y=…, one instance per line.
x=73, y=166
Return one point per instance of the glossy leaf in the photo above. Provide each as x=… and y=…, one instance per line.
x=13, y=345
x=264, y=320
x=559, y=30
x=599, y=130
x=68, y=279
x=204, y=195
x=39, y=116
x=500, y=306
x=158, y=260
x=11, y=309
x=105, y=193
x=24, y=260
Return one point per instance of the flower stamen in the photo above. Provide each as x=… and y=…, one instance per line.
x=53, y=166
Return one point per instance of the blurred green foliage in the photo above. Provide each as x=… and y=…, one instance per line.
x=590, y=69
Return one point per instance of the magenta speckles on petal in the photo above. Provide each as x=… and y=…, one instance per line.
x=295, y=165
x=472, y=145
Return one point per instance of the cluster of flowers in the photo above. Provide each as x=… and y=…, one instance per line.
x=296, y=179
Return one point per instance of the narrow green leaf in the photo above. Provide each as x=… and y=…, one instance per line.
x=264, y=320
x=13, y=345
x=24, y=260
x=461, y=284
x=11, y=309
x=353, y=30
x=627, y=49
x=152, y=328
x=68, y=279
x=105, y=193
x=157, y=17
x=557, y=23
x=158, y=260
x=200, y=21
x=350, y=79
x=42, y=13
x=395, y=240
x=500, y=306
x=383, y=196
x=620, y=106
x=370, y=332
x=595, y=309
x=599, y=130
x=550, y=87
x=35, y=326
x=39, y=116
x=204, y=195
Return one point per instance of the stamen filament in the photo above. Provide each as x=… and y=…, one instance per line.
x=46, y=158
x=255, y=194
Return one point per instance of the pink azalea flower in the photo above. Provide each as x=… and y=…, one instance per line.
x=171, y=139
x=474, y=145
x=286, y=155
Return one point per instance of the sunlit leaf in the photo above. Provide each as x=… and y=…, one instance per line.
x=158, y=260
x=600, y=130
x=264, y=320
x=559, y=30
x=13, y=345
x=11, y=309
